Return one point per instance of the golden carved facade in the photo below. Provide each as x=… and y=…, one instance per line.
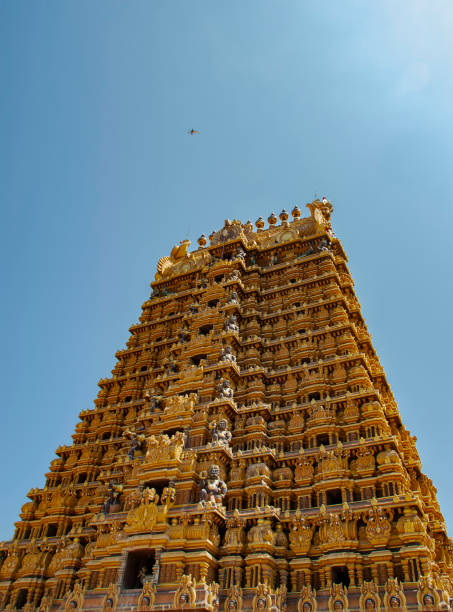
x=246, y=454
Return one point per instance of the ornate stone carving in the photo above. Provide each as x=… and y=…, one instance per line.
x=307, y=601
x=394, y=598
x=300, y=535
x=226, y=354
x=185, y=596
x=262, y=601
x=137, y=442
x=113, y=502
x=369, y=598
x=427, y=595
x=338, y=600
x=161, y=448
x=74, y=599
x=148, y=513
x=220, y=435
x=146, y=598
x=378, y=525
x=110, y=600
x=225, y=390
x=233, y=600
x=213, y=489
x=231, y=324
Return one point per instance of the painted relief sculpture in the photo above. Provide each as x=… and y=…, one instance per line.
x=245, y=454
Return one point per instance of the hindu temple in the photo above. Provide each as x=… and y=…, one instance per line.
x=245, y=454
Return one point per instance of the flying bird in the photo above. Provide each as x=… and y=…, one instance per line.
x=192, y=132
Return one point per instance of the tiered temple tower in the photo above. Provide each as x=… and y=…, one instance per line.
x=246, y=453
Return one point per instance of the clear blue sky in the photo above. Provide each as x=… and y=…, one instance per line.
x=98, y=178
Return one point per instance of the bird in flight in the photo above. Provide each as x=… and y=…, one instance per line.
x=192, y=132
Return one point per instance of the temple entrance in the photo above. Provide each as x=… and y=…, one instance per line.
x=139, y=568
x=340, y=575
x=21, y=599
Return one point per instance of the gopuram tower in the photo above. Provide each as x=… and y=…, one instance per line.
x=246, y=454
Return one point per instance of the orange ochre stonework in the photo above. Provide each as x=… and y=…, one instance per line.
x=246, y=453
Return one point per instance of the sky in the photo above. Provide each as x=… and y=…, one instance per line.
x=99, y=178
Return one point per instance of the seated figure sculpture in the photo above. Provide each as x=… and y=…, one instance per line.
x=213, y=489
x=225, y=390
x=226, y=354
x=219, y=433
x=233, y=298
x=231, y=324
x=137, y=442
x=113, y=502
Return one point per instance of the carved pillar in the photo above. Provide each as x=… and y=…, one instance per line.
x=405, y=564
x=204, y=567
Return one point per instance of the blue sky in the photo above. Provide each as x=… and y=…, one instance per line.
x=98, y=179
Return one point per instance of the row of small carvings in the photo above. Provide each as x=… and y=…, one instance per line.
x=297, y=531
x=271, y=266
x=95, y=416
x=301, y=358
x=296, y=282
x=332, y=296
x=301, y=336
x=318, y=292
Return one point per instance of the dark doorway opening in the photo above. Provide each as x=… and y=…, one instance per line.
x=139, y=564
x=340, y=575
x=21, y=599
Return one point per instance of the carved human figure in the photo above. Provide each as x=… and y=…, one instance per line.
x=113, y=502
x=370, y=604
x=428, y=601
x=225, y=390
x=394, y=602
x=324, y=245
x=240, y=253
x=213, y=489
x=233, y=298
x=171, y=366
x=154, y=399
x=220, y=433
x=137, y=442
x=231, y=324
x=338, y=605
x=226, y=354
x=307, y=607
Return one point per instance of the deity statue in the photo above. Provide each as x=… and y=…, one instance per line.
x=233, y=298
x=220, y=433
x=226, y=354
x=234, y=276
x=240, y=253
x=231, y=324
x=137, y=442
x=213, y=489
x=225, y=390
x=113, y=502
x=184, y=334
x=324, y=245
x=154, y=399
x=171, y=366
x=143, y=575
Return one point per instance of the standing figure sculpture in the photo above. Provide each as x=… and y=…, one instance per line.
x=213, y=488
